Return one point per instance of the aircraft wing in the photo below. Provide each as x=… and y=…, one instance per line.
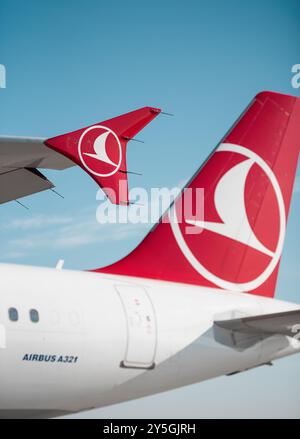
x=29, y=152
x=246, y=331
x=100, y=150
x=19, y=159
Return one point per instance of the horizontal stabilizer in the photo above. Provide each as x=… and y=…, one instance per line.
x=245, y=332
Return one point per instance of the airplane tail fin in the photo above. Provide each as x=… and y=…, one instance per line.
x=236, y=243
x=100, y=150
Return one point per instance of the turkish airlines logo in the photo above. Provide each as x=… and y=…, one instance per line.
x=237, y=240
x=100, y=151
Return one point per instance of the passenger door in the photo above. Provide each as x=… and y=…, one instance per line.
x=141, y=327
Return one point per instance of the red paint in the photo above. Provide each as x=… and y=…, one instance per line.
x=270, y=128
x=79, y=146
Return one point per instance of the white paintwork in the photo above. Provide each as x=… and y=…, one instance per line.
x=100, y=150
x=2, y=337
x=82, y=315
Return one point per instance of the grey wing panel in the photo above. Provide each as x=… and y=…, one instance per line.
x=29, y=152
x=22, y=182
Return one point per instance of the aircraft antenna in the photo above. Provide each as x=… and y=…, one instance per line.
x=21, y=204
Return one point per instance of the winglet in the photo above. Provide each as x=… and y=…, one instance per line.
x=100, y=150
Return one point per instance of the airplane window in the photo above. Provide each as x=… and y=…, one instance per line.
x=13, y=314
x=34, y=315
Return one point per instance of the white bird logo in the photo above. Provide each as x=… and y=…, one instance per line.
x=230, y=205
x=100, y=150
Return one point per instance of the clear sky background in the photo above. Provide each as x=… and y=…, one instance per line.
x=73, y=63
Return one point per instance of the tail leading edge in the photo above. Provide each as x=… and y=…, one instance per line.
x=248, y=182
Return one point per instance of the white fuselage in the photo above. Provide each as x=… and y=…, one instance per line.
x=104, y=339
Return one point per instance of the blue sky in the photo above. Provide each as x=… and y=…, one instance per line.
x=70, y=64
